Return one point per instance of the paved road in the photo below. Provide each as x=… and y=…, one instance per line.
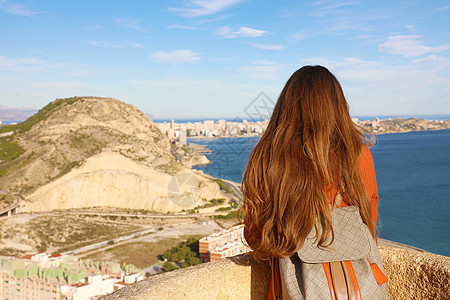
x=235, y=187
x=11, y=207
x=155, y=216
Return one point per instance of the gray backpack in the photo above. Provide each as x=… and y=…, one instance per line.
x=350, y=268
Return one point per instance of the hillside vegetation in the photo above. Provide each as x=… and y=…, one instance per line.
x=41, y=115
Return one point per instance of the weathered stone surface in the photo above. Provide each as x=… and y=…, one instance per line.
x=416, y=275
x=412, y=275
x=239, y=277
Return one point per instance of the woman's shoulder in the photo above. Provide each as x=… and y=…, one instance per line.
x=366, y=166
x=365, y=157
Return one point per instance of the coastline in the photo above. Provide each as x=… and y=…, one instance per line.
x=408, y=131
x=202, y=137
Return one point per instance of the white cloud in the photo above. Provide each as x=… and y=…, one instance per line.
x=178, y=56
x=373, y=87
x=135, y=45
x=104, y=44
x=261, y=70
x=435, y=60
x=7, y=62
x=408, y=45
x=198, y=8
x=243, y=31
x=267, y=47
x=178, y=26
x=17, y=9
x=324, y=8
x=299, y=35
x=130, y=24
x=26, y=66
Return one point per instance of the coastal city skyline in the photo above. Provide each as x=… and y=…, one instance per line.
x=211, y=59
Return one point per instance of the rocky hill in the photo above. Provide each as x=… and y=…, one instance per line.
x=89, y=151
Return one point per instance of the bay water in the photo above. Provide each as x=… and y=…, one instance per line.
x=413, y=175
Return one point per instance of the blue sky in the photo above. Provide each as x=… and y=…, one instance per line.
x=198, y=58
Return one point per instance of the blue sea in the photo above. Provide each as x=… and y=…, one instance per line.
x=413, y=183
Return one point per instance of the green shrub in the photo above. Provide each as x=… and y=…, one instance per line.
x=231, y=215
x=9, y=149
x=223, y=186
x=224, y=208
x=168, y=266
x=186, y=254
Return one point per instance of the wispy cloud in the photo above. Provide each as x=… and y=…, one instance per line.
x=261, y=70
x=54, y=84
x=411, y=27
x=31, y=64
x=17, y=9
x=443, y=8
x=130, y=24
x=135, y=45
x=374, y=87
x=267, y=47
x=106, y=44
x=177, y=56
x=408, y=45
x=178, y=26
x=7, y=62
x=243, y=31
x=299, y=35
x=93, y=27
x=324, y=8
x=198, y=8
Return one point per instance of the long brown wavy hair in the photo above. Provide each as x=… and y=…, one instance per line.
x=309, y=147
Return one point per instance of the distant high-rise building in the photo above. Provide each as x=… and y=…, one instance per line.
x=183, y=138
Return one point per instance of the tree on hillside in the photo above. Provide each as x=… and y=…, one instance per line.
x=168, y=266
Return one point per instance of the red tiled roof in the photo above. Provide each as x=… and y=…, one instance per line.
x=79, y=284
x=26, y=256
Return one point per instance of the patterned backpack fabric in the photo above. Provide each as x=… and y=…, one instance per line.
x=350, y=268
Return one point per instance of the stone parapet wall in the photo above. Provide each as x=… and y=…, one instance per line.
x=416, y=275
x=412, y=275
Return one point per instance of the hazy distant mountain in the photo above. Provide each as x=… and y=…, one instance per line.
x=89, y=151
x=15, y=114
